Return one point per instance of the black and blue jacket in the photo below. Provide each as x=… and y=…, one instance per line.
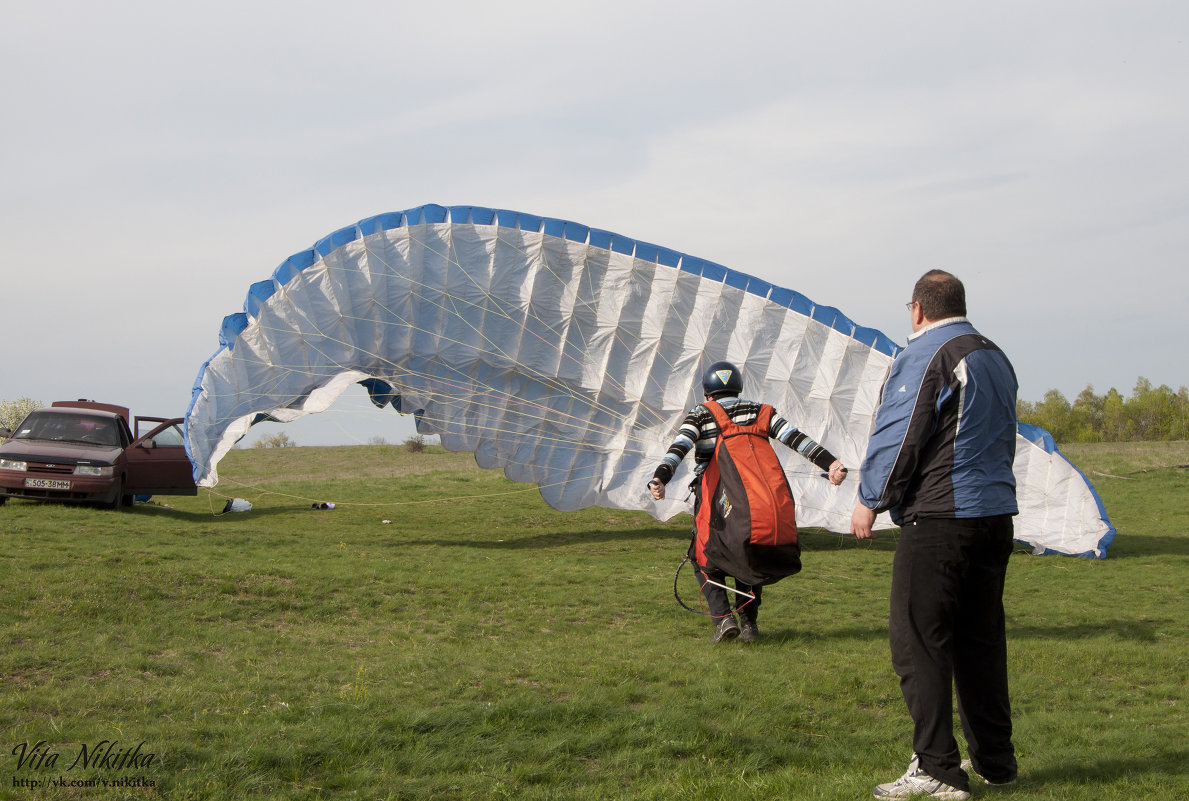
x=945, y=432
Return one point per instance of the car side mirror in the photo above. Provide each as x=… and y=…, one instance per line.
x=147, y=444
x=5, y=433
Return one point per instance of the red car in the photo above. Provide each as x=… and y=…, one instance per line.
x=82, y=451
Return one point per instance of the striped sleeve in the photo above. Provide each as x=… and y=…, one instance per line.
x=687, y=436
x=784, y=431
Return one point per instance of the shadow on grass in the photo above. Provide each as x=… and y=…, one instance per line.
x=1146, y=631
x=152, y=510
x=1125, y=545
x=1131, y=546
x=157, y=510
x=777, y=634
x=1169, y=763
x=820, y=539
x=811, y=540
x=556, y=539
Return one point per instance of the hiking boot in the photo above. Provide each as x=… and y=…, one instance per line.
x=968, y=766
x=918, y=784
x=727, y=629
x=748, y=630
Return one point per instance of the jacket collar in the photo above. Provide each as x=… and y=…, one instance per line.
x=936, y=325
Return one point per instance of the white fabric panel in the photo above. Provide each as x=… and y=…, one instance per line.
x=1058, y=511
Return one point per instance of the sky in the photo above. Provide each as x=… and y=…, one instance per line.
x=156, y=158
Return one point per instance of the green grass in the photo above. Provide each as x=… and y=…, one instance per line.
x=479, y=645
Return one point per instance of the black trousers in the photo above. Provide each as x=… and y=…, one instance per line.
x=723, y=602
x=947, y=634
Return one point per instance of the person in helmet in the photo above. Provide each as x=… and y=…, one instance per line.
x=700, y=432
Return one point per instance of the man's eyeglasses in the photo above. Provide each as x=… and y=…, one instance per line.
x=910, y=304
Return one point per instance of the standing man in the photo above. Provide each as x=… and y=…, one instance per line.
x=749, y=531
x=940, y=461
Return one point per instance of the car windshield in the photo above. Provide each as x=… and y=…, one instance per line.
x=58, y=427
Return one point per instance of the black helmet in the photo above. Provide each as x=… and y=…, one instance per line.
x=722, y=378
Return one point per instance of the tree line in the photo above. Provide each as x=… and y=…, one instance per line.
x=1151, y=413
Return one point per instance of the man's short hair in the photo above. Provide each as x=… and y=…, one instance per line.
x=940, y=295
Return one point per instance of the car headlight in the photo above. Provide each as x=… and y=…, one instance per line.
x=92, y=470
x=13, y=464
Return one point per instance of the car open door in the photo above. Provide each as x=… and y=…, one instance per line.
x=157, y=460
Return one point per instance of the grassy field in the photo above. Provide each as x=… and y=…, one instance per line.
x=443, y=634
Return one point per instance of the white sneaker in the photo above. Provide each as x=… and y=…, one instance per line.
x=968, y=766
x=918, y=784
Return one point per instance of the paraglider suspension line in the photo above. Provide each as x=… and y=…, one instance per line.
x=750, y=598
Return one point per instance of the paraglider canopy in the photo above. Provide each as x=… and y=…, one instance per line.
x=565, y=355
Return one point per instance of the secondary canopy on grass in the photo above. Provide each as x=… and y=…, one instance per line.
x=567, y=356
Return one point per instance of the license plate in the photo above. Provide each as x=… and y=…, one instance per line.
x=46, y=483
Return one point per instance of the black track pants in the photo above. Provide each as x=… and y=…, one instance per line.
x=947, y=633
x=722, y=602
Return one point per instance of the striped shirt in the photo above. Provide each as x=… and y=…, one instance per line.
x=699, y=433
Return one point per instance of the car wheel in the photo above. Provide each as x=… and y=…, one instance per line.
x=117, y=502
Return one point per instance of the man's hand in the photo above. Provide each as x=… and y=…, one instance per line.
x=837, y=473
x=657, y=489
x=861, y=522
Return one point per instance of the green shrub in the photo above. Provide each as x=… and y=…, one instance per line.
x=279, y=440
x=13, y=412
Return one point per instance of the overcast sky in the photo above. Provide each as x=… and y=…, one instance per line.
x=159, y=157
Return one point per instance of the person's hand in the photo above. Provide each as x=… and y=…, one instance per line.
x=861, y=522
x=657, y=489
x=837, y=473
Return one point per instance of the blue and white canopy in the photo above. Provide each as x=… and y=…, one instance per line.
x=567, y=356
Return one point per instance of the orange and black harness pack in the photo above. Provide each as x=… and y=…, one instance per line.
x=746, y=523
